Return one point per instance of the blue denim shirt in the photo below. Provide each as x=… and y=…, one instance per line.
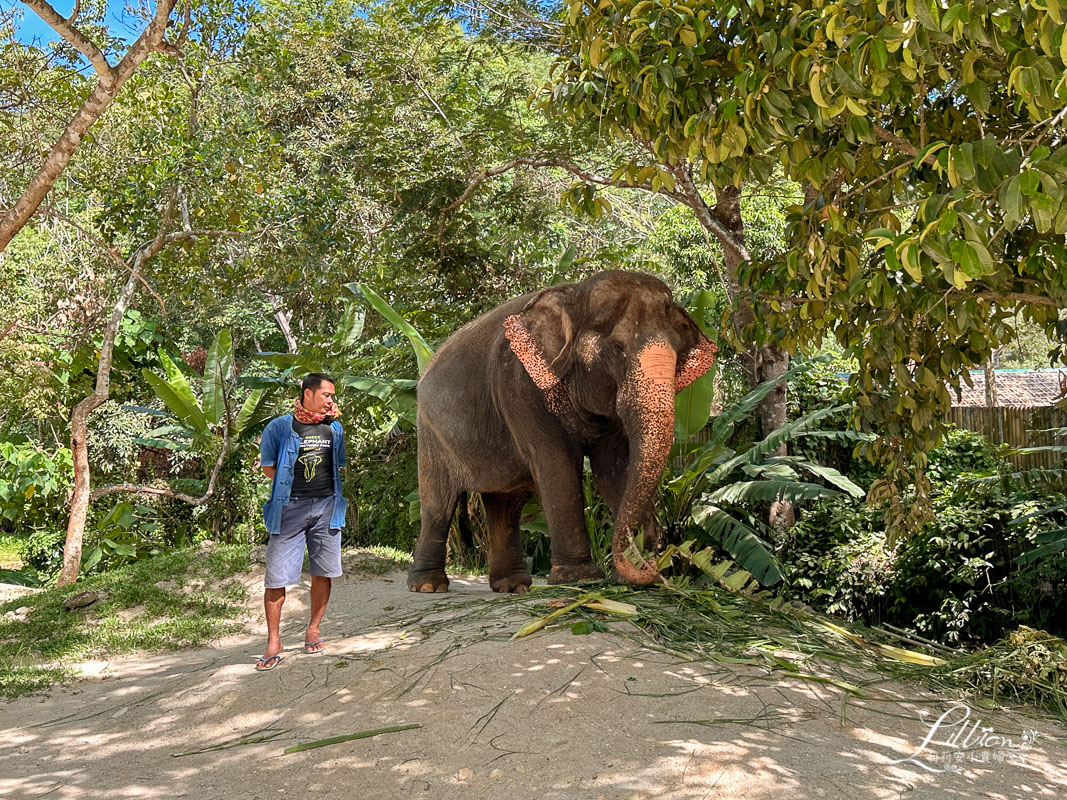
x=279, y=448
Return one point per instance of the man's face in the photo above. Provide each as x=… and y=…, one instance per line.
x=317, y=400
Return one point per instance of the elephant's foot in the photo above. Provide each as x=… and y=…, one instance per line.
x=575, y=573
x=430, y=580
x=515, y=583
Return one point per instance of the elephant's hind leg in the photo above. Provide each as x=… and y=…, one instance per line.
x=438, y=497
x=507, y=569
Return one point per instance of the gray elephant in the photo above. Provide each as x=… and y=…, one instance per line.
x=513, y=401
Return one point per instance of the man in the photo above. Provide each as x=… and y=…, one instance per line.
x=302, y=453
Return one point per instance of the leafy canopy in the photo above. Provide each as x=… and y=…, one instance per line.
x=928, y=135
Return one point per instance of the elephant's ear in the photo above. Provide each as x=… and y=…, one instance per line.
x=542, y=335
x=697, y=357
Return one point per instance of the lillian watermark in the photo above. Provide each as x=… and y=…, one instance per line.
x=955, y=740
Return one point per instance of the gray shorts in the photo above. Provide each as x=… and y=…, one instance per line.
x=305, y=523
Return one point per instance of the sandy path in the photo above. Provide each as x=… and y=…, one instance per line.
x=551, y=716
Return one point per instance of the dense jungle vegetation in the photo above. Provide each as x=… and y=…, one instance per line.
x=289, y=187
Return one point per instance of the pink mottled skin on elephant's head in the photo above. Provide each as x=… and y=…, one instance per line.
x=533, y=360
x=700, y=360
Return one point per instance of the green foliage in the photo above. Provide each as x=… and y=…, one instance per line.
x=42, y=550
x=925, y=139
x=196, y=422
x=714, y=496
x=423, y=351
x=377, y=481
x=202, y=427
x=963, y=577
x=33, y=485
x=127, y=533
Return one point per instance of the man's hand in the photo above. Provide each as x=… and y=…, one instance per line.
x=268, y=471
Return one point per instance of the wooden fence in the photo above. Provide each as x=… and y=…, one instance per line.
x=1016, y=427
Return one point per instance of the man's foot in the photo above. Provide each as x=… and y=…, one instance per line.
x=267, y=663
x=311, y=648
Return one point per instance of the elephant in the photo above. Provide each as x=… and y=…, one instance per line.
x=513, y=401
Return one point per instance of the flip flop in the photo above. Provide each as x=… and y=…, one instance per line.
x=314, y=648
x=268, y=663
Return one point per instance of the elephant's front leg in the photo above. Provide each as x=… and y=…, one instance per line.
x=609, y=459
x=507, y=568
x=559, y=486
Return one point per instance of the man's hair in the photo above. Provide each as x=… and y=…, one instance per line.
x=314, y=381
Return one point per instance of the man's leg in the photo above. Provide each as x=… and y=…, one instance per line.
x=285, y=558
x=324, y=563
x=320, y=596
x=272, y=606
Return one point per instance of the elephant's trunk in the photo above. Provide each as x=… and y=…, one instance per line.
x=646, y=405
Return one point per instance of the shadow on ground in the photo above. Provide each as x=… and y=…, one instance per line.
x=550, y=716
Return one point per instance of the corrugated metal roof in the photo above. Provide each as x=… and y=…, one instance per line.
x=1016, y=388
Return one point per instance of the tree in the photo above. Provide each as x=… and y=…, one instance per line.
x=109, y=80
x=928, y=139
x=82, y=494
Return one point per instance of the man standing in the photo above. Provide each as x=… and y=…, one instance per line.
x=302, y=454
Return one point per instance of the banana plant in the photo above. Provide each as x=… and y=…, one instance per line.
x=336, y=357
x=198, y=424
x=710, y=498
x=692, y=405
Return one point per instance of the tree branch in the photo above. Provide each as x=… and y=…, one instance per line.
x=993, y=297
x=575, y=170
x=76, y=39
x=90, y=111
x=111, y=251
x=705, y=215
x=1017, y=297
x=134, y=488
x=892, y=138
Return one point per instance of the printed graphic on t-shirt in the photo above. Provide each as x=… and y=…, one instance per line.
x=311, y=457
x=313, y=476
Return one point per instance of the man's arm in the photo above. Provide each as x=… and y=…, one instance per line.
x=268, y=451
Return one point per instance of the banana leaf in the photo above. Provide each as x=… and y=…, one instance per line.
x=741, y=541
x=255, y=409
x=217, y=369
x=1048, y=543
x=769, y=491
x=178, y=396
x=350, y=329
x=423, y=351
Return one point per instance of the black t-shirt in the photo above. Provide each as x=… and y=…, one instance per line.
x=313, y=473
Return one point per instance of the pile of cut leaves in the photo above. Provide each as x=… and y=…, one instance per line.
x=724, y=617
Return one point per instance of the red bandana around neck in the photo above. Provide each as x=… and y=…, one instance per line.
x=306, y=417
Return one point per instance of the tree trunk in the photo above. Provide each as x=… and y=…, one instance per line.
x=79, y=421
x=764, y=363
x=284, y=318
x=990, y=383
x=82, y=494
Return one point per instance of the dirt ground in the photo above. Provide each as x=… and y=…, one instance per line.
x=553, y=715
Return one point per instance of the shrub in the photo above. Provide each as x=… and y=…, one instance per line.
x=957, y=579
x=377, y=483
x=33, y=486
